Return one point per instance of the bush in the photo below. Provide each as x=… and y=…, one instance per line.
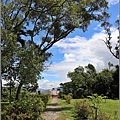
x=4, y=105
x=96, y=101
x=5, y=96
x=82, y=109
x=68, y=98
x=61, y=95
x=45, y=98
x=27, y=108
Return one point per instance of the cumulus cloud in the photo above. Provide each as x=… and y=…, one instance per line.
x=46, y=84
x=80, y=51
x=113, y=2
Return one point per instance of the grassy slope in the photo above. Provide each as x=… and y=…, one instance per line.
x=109, y=107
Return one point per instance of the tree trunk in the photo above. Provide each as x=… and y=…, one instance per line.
x=18, y=91
x=10, y=92
x=1, y=87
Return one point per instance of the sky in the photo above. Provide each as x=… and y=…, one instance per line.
x=80, y=49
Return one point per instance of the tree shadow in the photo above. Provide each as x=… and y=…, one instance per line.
x=52, y=104
x=58, y=109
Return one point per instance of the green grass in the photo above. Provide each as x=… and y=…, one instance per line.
x=67, y=110
x=109, y=108
x=49, y=101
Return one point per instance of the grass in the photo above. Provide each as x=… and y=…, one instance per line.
x=67, y=111
x=110, y=108
x=49, y=101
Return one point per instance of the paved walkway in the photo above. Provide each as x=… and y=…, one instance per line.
x=52, y=111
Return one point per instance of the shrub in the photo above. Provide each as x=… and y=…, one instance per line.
x=27, y=108
x=4, y=105
x=68, y=98
x=82, y=110
x=61, y=95
x=45, y=98
x=96, y=101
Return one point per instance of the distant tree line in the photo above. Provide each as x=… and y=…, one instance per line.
x=86, y=81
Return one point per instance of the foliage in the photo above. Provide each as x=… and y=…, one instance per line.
x=4, y=105
x=78, y=78
x=103, y=82
x=82, y=109
x=96, y=104
x=109, y=110
x=28, y=107
x=6, y=97
x=67, y=88
x=54, y=18
x=82, y=81
x=24, y=72
x=68, y=98
x=96, y=100
x=61, y=95
x=86, y=81
x=44, y=98
x=114, y=85
x=30, y=28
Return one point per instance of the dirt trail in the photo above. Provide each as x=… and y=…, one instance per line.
x=52, y=111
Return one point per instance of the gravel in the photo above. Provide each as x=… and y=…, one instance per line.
x=52, y=111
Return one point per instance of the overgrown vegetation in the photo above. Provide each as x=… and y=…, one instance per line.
x=28, y=107
x=82, y=110
x=68, y=98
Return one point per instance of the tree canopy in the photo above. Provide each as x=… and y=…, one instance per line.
x=86, y=81
x=55, y=19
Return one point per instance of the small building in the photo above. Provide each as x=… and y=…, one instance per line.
x=54, y=93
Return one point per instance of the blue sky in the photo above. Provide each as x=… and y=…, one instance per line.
x=80, y=48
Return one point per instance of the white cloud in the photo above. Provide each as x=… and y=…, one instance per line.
x=98, y=28
x=113, y=2
x=46, y=84
x=80, y=51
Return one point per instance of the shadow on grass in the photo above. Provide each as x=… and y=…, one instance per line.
x=52, y=104
x=58, y=109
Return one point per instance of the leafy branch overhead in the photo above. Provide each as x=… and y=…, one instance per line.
x=54, y=18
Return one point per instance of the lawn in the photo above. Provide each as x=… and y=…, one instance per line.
x=110, y=108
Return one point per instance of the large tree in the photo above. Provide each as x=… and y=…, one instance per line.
x=91, y=74
x=31, y=27
x=86, y=81
x=79, y=81
x=103, y=82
